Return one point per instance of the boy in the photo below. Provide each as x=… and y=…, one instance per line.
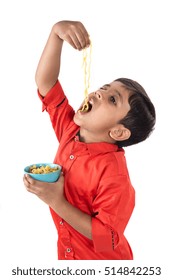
x=93, y=200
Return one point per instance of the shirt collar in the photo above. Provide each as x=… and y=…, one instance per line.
x=99, y=147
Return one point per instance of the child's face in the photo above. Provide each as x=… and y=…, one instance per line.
x=108, y=105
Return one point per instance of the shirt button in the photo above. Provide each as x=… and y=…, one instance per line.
x=68, y=250
x=61, y=222
x=71, y=156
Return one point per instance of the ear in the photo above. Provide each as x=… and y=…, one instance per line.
x=120, y=133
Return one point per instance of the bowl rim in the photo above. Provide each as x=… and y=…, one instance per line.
x=41, y=164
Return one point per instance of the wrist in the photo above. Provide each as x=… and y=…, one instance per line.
x=60, y=206
x=55, y=30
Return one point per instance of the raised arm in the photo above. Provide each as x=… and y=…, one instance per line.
x=48, y=67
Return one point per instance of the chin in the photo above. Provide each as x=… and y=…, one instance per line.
x=76, y=120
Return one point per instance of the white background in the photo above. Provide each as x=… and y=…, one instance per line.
x=130, y=39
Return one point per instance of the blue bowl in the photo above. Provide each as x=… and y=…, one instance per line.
x=44, y=177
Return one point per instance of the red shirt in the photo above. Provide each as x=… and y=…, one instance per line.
x=96, y=182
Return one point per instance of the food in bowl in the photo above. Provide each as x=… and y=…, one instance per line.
x=42, y=169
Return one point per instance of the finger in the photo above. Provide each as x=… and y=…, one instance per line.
x=26, y=178
x=33, y=189
x=79, y=37
x=82, y=28
x=61, y=179
x=82, y=41
x=27, y=185
x=71, y=42
x=62, y=175
x=85, y=35
x=25, y=181
x=31, y=185
x=76, y=40
x=29, y=179
x=83, y=38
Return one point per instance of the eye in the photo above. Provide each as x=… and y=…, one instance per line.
x=113, y=100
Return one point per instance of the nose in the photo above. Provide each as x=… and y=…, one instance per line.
x=98, y=94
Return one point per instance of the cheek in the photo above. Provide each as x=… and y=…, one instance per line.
x=103, y=120
x=106, y=116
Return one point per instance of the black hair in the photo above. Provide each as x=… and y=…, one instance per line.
x=141, y=118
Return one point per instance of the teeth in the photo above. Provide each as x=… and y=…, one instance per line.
x=90, y=101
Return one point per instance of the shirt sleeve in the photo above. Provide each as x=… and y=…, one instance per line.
x=56, y=104
x=113, y=207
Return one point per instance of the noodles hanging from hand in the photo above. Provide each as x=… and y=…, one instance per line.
x=87, y=72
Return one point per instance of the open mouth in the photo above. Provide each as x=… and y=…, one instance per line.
x=86, y=107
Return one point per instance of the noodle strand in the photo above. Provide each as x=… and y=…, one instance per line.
x=87, y=75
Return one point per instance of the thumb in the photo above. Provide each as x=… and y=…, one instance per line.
x=61, y=177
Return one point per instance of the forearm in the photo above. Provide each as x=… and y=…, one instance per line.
x=79, y=220
x=49, y=65
x=53, y=195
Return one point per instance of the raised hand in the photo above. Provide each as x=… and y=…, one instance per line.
x=74, y=33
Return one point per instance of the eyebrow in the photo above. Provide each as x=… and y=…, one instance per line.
x=106, y=85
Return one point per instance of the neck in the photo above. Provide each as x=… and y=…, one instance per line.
x=87, y=137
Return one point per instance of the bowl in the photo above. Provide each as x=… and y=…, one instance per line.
x=44, y=177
